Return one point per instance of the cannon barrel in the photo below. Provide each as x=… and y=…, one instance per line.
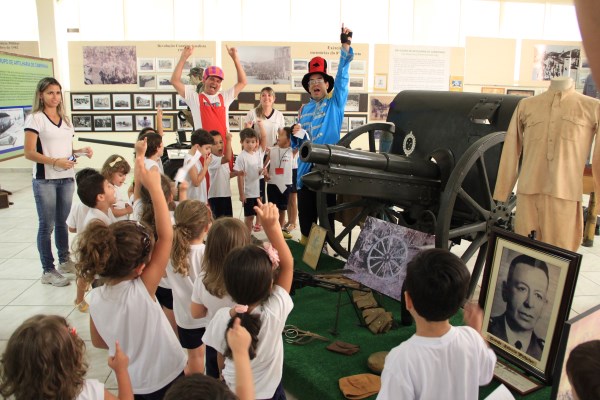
x=332, y=154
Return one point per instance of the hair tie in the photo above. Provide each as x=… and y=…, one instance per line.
x=272, y=253
x=240, y=308
x=72, y=330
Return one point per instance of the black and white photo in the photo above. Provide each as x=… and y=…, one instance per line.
x=81, y=101
x=164, y=81
x=266, y=65
x=357, y=83
x=146, y=65
x=82, y=122
x=299, y=65
x=101, y=101
x=297, y=82
x=180, y=104
x=109, y=65
x=235, y=122
x=103, y=123
x=142, y=101
x=165, y=64
x=121, y=101
x=553, y=61
x=147, y=81
x=353, y=103
x=144, y=121
x=356, y=122
x=203, y=62
x=123, y=123
x=358, y=67
x=163, y=100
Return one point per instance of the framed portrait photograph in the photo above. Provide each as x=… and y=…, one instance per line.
x=143, y=121
x=357, y=83
x=123, y=123
x=297, y=82
x=358, y=67
x=168, y=122
x=147, y=81
x=521, y=92
x=164, y=82
x=579, y=329
x=142, y=101
x=180, y=103
x=101, y=101
x=121, y=101
x=146, y=65
x=103, y=123
x=300, y=65
x=165, y=64
x=163, y=100
x=81, y=101
x=82, y=123
x=380, y=82
x=526, y=295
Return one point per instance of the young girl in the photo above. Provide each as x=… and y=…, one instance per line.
x=261, y=291
x=115, y=170
x=45, y=359
x=209, y=294
x=125, y=256
x=192, y=220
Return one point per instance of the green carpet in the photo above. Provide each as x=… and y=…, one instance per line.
x=311, y=371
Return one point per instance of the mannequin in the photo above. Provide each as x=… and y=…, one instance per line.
x=553, y=132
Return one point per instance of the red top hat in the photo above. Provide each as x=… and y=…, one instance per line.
x=317, y=65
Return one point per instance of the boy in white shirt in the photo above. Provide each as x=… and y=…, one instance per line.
x=99, y=195
x=197, y=178
x=219, y=193
x=249, y=167
x=436, y=286
x=279, y=176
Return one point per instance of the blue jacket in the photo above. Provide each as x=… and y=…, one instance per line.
x=323, y=119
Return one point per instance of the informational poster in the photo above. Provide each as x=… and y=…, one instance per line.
x=19, y=76
x=418, y=68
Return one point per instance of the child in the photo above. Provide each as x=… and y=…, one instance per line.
x=292, y=209
x=279, y=176
x=125, y=255
x=201, y=141
x=261, y=291
x=583, y=369
x=115, y=170
x=209, y=294
x=192, y=219
x=78, y=210
x=438, y=358
x=99, y=195
x=249, y=166
x=154, y=151
x=219, y=193
x=201, y=387
x=45, y=359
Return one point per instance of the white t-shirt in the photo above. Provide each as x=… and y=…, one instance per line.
x=280, y=158
x=55, y=141
x=149, y=163
x=251, y=164
x=92, y=390
x=212, y=303
x=196, y=192
x=122, y=200
x=126, y=312
x=77, y=215
x=267, y=366
x=182, y=287
x=219, y=178
x=455, y=365
x=94, y=213
x=272, y=124
x=193, y=101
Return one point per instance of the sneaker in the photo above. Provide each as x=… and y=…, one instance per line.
x=83, y=306
x=54, y=278
x=286, y=234
x=66, y=267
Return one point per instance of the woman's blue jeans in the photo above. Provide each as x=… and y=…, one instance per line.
x=53, y=198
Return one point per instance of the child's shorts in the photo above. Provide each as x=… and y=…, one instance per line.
x=278, y=198
x=294, y=188
x=190, y=338
x=164, y=297
x=221, y=207
x=249, y=207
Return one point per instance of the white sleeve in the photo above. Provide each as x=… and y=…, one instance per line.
x=214, y=336
x=487, y=363
x=33, y=123
x=71, y=223
x=228, y=96
x=197, y=291
x=395, y=383
x=239, y=163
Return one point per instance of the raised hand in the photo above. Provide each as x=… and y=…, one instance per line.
x=232, y=52
x=187, y=52
x=119, y=361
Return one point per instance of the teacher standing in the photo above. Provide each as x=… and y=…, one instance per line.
x=49, y=144
x=272, y=119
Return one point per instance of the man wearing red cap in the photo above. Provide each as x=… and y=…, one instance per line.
x=320, y=121
x=210, y=107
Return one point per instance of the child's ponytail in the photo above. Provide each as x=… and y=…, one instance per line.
x=192, y=217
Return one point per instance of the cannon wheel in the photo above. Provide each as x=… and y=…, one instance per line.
x=370, y=207
x=484, y=215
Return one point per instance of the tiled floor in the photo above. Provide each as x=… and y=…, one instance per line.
x=22, y=295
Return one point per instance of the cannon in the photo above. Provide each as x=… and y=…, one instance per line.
x=438, y=177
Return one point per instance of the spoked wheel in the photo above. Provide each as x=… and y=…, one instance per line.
x=358, y=206
x=467, y=208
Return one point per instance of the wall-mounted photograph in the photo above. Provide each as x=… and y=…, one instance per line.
x=553, y=61
x=380, y=82
x=357, y=83
x=332, y=66
x=143, y=121
x=81, y=101
x=490, y=89
x=101, y=101
x=82, y=123
x=165, y=64
x=123, y=123
x=355, y=122
x=299, y=65
x=164, y=81
x=121, y=101
x=103, y=123
x=521, y=92
x=142, y=101
x=168, y=123
x=379, y=106
x=290, y=120
x=297, y=82
x=180, y=104
x=146, y=64
x=203, y=62
x=353, y=103
x=235, y=122
x=358, y=67
x=266, y=65
x=163, y=100
x=147, y=81
x=109, y=65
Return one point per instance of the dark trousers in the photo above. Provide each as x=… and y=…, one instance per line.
x=307, y=209
x=220, y=207
x=212, y=366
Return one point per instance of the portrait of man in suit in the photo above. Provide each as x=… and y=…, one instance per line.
x=525, y=293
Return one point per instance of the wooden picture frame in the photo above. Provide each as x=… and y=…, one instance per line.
x=168, y=123
x=515, y=266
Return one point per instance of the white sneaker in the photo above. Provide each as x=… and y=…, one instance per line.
x=54, y=278
x=66, y=267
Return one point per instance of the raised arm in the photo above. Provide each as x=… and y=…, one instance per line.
x=176, y=76
x=241, y=74
x=269, y=217
x=159, y=116
x=263, y=135
x=228, y=153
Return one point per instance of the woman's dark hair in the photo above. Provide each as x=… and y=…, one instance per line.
x=248, y=277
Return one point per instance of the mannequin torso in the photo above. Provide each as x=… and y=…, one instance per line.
x=560, y=84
